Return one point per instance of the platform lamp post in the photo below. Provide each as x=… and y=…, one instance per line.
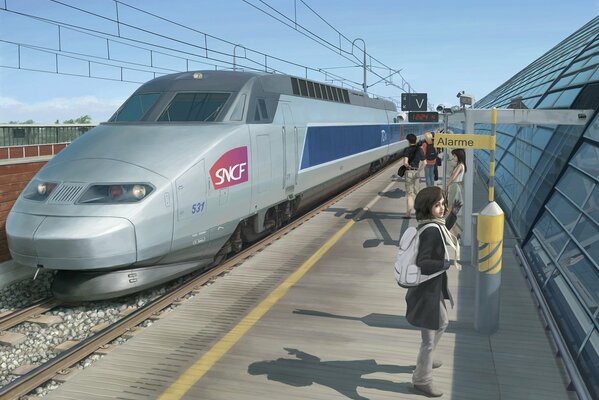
x=445, y=111
x=364, y=86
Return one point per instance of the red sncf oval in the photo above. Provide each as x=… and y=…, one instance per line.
x=231, y=168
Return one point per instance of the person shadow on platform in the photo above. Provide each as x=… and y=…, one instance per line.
x=391, y=321
x=343, y=376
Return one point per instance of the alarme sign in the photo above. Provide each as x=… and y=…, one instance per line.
x=230, y=169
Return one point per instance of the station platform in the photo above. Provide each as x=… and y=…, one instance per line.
x=318, y=315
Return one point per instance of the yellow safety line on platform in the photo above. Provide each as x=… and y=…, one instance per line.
x=207, y=361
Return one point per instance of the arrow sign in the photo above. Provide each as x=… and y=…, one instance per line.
x=413, y=101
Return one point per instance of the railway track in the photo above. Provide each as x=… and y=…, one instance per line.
x=62, y=361
x=23, y=314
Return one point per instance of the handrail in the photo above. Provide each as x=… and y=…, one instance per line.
x=576, y=381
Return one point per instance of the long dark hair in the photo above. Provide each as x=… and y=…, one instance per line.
x=461, y=156
x=425, y=200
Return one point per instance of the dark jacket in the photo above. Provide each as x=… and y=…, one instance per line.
x=424, y=300
x=414, y=155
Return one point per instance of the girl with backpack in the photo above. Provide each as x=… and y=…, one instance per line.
x=426, y=308
x=430, y=155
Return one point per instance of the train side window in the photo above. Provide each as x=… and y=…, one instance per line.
x=345, y=96
x=325, y=95
x=335, y=94
x=311, y=89
x=237, y=114
x=303, y=87
x=295, y=86
x=330, y=93
x=318, y=92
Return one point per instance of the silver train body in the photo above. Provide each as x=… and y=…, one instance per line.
x=193, y=166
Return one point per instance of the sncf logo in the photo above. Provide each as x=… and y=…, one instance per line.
x=230, y=169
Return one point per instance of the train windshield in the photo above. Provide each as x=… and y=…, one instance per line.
x=135, y=108
x=199, y=107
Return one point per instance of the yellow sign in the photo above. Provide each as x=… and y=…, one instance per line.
x=466, y=141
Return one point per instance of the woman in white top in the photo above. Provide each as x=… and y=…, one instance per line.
x=454, y=185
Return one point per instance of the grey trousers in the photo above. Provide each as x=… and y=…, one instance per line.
x=423, y=374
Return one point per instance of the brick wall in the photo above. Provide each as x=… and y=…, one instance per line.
x=15, y=176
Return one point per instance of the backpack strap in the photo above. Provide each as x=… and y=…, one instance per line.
x=440, y=233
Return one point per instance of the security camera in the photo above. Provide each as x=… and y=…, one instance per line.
x=465, y=99
x=444, y=110
x=402, y=116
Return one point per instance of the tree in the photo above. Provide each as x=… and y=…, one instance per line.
x=84, y=119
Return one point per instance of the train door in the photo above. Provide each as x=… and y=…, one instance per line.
x=261, y=171
x=192, y=208
x=290, y=161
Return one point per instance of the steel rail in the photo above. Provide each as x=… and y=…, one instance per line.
x=23, y=314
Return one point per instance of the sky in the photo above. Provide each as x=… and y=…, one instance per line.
x=439, y=48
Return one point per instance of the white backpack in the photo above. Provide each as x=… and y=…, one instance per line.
x=407, y=273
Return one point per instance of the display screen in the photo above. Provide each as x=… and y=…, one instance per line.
x=424, y=116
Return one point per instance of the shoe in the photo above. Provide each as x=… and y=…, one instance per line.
x=428, y=390
x=437, y=363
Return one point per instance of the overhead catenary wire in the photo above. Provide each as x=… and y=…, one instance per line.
x=192, y=55
x=306, y=32
x=203, y=54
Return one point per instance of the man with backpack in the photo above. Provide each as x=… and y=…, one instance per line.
x=430, y=155
x=413, y=160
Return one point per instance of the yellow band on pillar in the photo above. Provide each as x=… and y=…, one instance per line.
x=489, y=228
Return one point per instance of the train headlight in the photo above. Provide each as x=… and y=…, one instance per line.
x=115, y=194
x=138, y=191
x=39, y=190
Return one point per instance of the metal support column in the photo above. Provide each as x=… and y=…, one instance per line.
x=489, y=234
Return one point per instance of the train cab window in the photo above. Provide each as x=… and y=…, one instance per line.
x=263, y=111
x=201, y=107
x=135, y=108
x=237, y=114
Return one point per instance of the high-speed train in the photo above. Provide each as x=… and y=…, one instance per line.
x=190, y=168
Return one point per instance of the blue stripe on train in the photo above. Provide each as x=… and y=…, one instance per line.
x=329, y=143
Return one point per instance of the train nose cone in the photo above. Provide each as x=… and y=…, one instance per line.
x=74, y=242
